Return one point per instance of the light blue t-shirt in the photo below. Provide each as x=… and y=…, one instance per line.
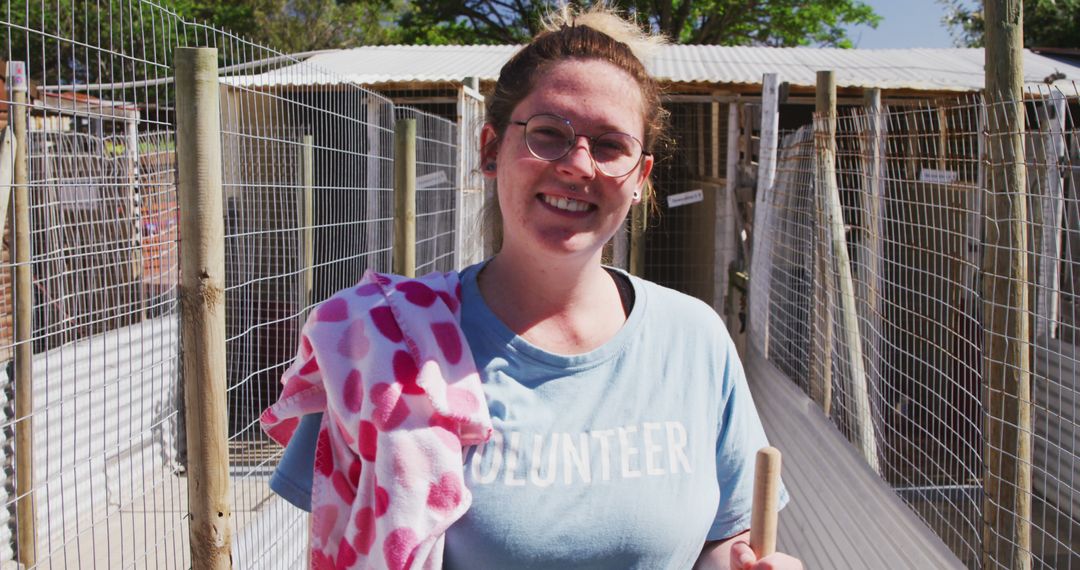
x=629, y=456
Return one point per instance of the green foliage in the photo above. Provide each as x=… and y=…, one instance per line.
x=1047, y=23
x=752, y=22
x=74, y=41
x=236, y=16
x=725, y=22
x=110, y=41
x=441, y=22
x=965, y=23
x=292, y=26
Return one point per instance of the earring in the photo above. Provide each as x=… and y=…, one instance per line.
x=636, y=194
x=490, y=166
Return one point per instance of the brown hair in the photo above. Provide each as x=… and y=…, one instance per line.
x=596, y=33
x=576, y=36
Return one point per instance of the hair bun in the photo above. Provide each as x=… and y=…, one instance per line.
x=605, y=19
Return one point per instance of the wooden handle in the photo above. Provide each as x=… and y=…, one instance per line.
x=766, y=498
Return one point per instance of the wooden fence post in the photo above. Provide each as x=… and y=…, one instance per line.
x=202, y=305
x=24, y=314
x=863, y=426
x=7, y=163
x=873, y=189
x=874, y=156
x=375, y=109
x=466, y=163
x=873, y=278
x=723, y=230
x=731, y=188
x=134, y=209
x=761, y=280
x=1048, y=198
x=1007, y=361
x=305, y=220
x=639, y=217
x=405, y=197
x=821, y=371
x=770, y=125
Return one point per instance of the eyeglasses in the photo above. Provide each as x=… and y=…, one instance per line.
x=550, y=137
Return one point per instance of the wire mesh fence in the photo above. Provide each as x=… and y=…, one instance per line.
x=308, y=199
x=689, y=179
x=94, y=448
x=471, y=244
x=437, y=179
x=914, y=184
x=90, y=216
x=308, y=189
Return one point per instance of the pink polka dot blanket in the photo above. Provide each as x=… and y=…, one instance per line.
x=387, y=362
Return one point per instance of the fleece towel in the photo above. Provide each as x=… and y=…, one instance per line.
x=387, y=362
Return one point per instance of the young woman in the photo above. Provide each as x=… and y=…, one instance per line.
x=624, y=431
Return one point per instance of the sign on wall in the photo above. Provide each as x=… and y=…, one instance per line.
x=684, y=198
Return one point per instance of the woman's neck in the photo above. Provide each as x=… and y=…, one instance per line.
x=566, y=306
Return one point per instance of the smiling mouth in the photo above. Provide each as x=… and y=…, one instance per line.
x=566, y=204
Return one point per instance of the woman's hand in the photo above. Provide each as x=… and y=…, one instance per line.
x=735, y=554
x=743, y=558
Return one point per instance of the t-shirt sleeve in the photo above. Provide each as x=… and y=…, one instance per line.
x=740, y=436
x=292, y=477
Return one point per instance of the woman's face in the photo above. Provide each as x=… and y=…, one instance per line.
x=566, y=206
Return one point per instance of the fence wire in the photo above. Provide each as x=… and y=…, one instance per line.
x=308, y=184
x=913, y=184
x=437, y=179
x=472, y=246
x=103, y=424
x=689, y=179
x=308, y=192
x=308, y=195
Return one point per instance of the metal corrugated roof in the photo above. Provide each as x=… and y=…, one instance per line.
x=955, y=69
x=373, y=65
x=929, y=69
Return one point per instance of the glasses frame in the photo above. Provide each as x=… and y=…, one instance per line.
x=574, y=137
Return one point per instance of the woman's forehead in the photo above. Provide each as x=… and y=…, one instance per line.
x=591, y=93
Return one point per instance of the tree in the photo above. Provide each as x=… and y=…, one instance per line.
x=1047, y=23
x=237, y=17
x=76, y=42
x=113, y=41
x=724, y=22
x=292, y=26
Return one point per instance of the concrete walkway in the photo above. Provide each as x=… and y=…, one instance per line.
x=152, y=531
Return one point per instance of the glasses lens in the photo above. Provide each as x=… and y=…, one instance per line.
x=616, y=153
x=548, y=137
